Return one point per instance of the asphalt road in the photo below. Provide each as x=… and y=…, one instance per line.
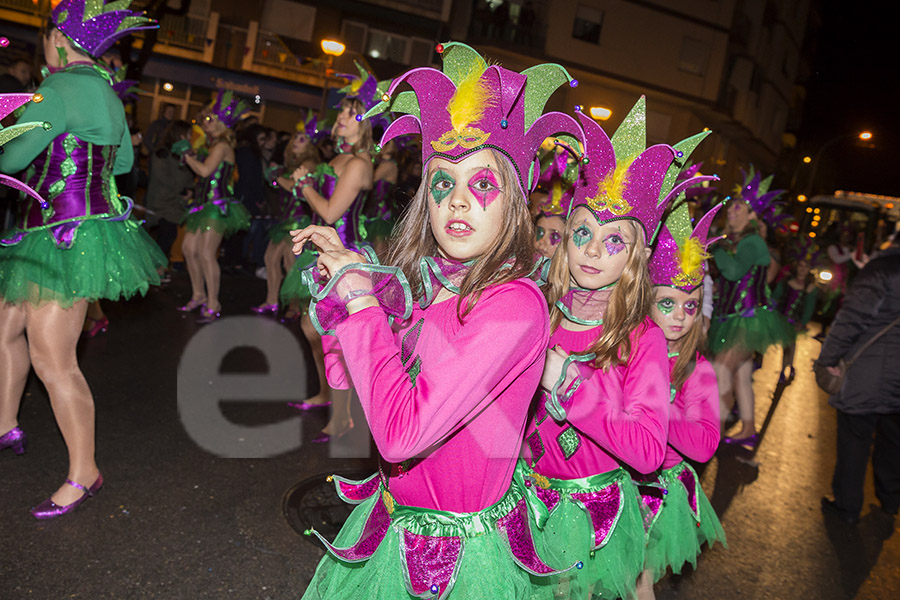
x=177, y=520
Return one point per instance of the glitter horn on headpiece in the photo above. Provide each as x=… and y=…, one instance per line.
x=228, y=107
x=755, y=192
x=620, y=179
x=94, y=27
x=470, y=106
x=8, y=104
x=368, y=90
x=679, y=258
x=310, y=125
x=558, y=179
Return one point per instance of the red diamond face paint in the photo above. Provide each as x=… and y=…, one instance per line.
x=485, y=187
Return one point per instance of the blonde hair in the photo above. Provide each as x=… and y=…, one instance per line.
x=413, y=240
x=629, y=302
x=293, y=161
x=689, y=345
x=364, y=141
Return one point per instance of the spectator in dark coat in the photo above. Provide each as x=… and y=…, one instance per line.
x=869, y=402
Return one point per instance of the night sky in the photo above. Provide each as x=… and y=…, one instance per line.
x=855, y=86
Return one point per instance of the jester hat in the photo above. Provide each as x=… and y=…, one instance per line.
x=470, y=106
x=368, y=90
x=9, y=103
x=558, y=180
x=94, y=27
x=620, y=179
x=679, y=258
x=310, y=125
x=764, y=202
x=228, y=107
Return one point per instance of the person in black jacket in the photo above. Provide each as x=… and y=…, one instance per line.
x=869, y=401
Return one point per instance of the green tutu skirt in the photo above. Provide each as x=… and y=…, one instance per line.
x=677, y=534
x=754, y=334
x=210, y=217
x=379, y=229
x=108, y=260
x=282, y=231
x=485, y=568
x=567, y=538
x=292, y=288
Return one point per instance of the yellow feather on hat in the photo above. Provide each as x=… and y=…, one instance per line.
x=472, y=97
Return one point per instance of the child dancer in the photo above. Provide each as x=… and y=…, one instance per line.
x=610, y=359
x=446, y=387
x=216, y=213
x=551, y=221
x=678, y=516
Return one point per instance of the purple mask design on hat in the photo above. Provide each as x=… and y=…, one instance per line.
x=94, y=27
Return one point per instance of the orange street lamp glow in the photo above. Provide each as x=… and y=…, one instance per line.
x=168, y=86
x=801, y=198
x=865, y=136
x=333, y=47
x=600, y=113
x=807, y=159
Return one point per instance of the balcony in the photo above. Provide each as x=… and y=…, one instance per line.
x=25, y=12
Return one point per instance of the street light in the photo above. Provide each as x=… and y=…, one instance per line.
x=331, y=48
x=600, y=113
x=864, y=135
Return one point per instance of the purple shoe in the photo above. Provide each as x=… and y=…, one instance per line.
x=750, y=442
x=15, y=439
x=192, y=306
x=265, y=309
x=48, y=509
x=304, y=406
x=208, y=316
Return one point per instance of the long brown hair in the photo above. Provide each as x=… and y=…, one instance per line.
x=293, y=161
x=629, y=302
x=364, y=142
x=689, y=345
x=413, y=240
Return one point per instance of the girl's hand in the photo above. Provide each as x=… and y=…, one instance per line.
x=332, y=254
x=553, y=365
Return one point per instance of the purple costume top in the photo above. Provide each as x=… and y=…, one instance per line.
x=620, y=414
x=217, y=189
x=379, y=204
x=76, y=179
x=291, y=206
x=694, y=416
x=349, y=227
x=742, y=287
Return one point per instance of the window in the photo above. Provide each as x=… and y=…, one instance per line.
x=694, y=56
x=588, y=22
x=386, y=46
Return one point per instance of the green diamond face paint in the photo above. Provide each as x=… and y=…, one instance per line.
x=441, y=186
x=666, y=306
x=485, y=187
x=581, y=236
x=539, y=233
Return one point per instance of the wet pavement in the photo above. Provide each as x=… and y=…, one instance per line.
x=175, y=520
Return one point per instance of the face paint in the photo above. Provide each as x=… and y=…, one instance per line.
x=441, y=186
x=614, y=244
x=485, y=187
x=539, y=233
x=690, y=307
x=666, y=306
x=555, y=238
x=581, y=236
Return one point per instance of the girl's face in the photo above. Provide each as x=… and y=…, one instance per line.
x=212, y=126
x=548, y=234
x=802, y=270
x=299, y=142
x=466, y=204
x=739, y=215
x=675, y=310
x=597, y=253
x=347, y=125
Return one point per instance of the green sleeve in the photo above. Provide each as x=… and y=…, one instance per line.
x=778, y=291
x=124, y=155
x=809, y=306
x=20, y=152
x=750, y=252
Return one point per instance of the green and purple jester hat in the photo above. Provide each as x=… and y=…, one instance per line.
x=470, y=106
x=94, y=27
x=9, y=103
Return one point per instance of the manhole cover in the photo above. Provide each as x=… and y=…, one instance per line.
x=313, y=502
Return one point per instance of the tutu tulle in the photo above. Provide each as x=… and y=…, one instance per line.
x=677, y=536
x=567, y=538
x=753, y=333
x=282, y=231
x=236, y=218
x=293, y=289
x=108, y=260
x=378, y=229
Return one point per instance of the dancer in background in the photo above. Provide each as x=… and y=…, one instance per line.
x=295, y=214
x=446, y=383
x=76, y=244
x=743, y=321
x=605, y=388
x=380, y=207
x=557, y=180
x=795, y=296
x=215, y=213
x=678, y=515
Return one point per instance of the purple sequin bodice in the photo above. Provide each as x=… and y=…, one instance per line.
x=348, y=226
x=218, y=187
x=744, y=296
x=379, y=205
x=791, y=305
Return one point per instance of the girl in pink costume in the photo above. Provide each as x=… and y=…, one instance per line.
x=446, y=383
x=605, y=396
x=678, y=516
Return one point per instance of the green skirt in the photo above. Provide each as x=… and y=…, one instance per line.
x=411, y=562
x=755, y=334
x=568, y=537
x=235, y=218
x=282, y=231
x=379, y=229
x=107, y=260
x=677, y=534
x=292, y=288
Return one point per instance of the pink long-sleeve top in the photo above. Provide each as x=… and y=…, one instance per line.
x=694, y=416
x=446, y=401
x=616, y=415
